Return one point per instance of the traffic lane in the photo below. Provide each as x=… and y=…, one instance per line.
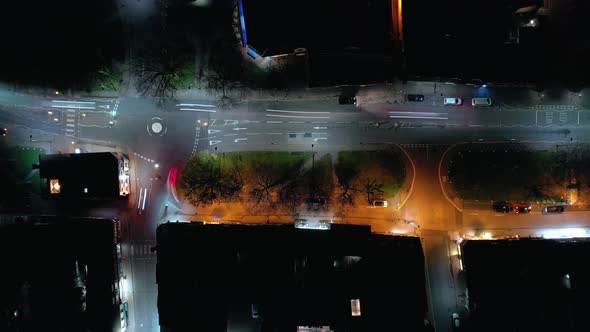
x=323, y=104
x=11, y=119
x=344, y=135
x=489, y=220
x=438, y=213
x=442, y=288
x=144, y=313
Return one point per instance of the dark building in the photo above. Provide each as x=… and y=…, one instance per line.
x=279, y=278
x=344, y=41
x=60, y=274
x=528, y=285
x=103, y=175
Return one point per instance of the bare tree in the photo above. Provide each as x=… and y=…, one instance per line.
x=225, y=74
x=371, y=188
x=157, y=73
x=205, y=180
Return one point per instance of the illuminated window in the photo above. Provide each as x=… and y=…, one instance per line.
x=54, y=186
x=355, y=307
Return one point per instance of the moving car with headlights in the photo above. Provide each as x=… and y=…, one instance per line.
x=344, y=100
x=453, y=101
x=554, y=209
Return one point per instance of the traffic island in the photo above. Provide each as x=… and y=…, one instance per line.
x=281, y=183
x=539, y=173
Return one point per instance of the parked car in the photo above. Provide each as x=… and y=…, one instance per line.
x=522, y=209
x=481, y=102
x=380, y=203
x=343, y=100
x=255, y=311
x=453, y=101
x=455, y=322
x=502, y=206
x=413, y=97
x=554, y=209
x=3, y=131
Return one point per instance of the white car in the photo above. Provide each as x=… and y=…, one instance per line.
x=380, y=203
x=453, y=101
x=481, y=102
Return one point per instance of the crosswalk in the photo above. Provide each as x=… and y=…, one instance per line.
x=71, y=122
x=547, y=107
x=142, y=249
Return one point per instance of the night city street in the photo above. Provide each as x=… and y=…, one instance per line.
x=224, y=180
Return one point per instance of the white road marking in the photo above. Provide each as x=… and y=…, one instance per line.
x=417, y=117
x=318, y=122
x=298, y=117
x=252, y=133
x=319, y=138
x=304, y=112
x=70, y=125
x=197, y=105
x=214, y=142
x=212, y=131
x=240, y=139
x=212, y=122
x=274, y=121
x=104, y=106
x=144, y=198
x=232, y=122
x=274, y=133
x=320, y=128
x=74, y=106
x=296, y=122
x=226, y=135
x=239, y=128
x=73, y=102
x=139, y=201
x=197, y=110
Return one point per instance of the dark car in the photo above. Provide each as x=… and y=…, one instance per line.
x=554, y=209
x=347, y=100
x=413, y=97
x=502, y=206
x=522, y=208
x=3, y=131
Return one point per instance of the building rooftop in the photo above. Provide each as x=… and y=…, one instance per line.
x=277, y=277
x=85, y=175
x=327, y=25
x=528, y=284
x=57, y=274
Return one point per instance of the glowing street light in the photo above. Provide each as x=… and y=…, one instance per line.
x=156, y=165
